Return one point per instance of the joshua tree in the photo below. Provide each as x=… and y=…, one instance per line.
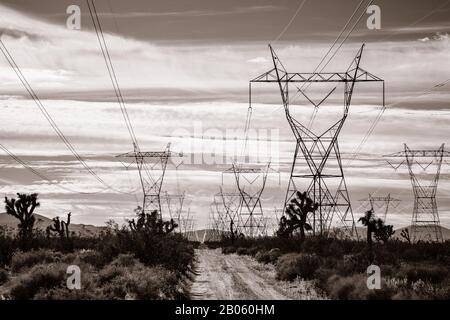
x=22, y=209
x=61, y=227
x=370, y=222
x=151, y=223
x=405, y=235
x=376, y=227
x=232, y=232
x=296, y=214
x=383, y=232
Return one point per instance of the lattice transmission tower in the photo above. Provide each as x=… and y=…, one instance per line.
x=226, y=211
x=250, y=182
x=425, y=218
x=380, y=203
x=175, y=206
x=317, y=166
x=151, y=166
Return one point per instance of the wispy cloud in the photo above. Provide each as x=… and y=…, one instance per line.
x=189, y=13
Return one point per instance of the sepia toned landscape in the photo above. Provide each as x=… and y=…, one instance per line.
x=212, y=151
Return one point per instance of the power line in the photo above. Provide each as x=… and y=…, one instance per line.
x=44, y=111
x=290, y=21
x=418, y=20
x=47, y=115
x=338, y=37
x=346, y=37
x=380, y=115
x=111, y=70
x=39, y=174
x=383, y=109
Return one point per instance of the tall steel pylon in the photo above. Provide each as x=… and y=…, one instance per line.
x=319, y=154
x=378, y=202
x=425, y=218
x=151, y=166
x=175, y=206
x=227, y=205
x=250, y=182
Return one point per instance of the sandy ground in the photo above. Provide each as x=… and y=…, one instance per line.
x=236, y=277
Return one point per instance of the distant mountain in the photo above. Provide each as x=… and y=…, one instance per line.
x=445, y=233
x=202, y=235
x=362, y=231
x=43, y=222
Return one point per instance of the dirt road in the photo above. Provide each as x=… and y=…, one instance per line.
x=235, y=277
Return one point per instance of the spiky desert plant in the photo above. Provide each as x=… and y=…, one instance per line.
x=151, y=223
x=296, y=215
x=377, y=228
x=61, y=227
x=405, y=235
x=369, y=221
x=22, y=209
x=233, y=232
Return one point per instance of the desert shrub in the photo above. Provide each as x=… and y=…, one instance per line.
x=355, y=288
x=252, y=251
x=62, y=293
x=352, y=263
x=4, y=276
x=40, y=277
x=22, y=260
x=262, y=256
x=92, y=257
x=411, y=254
x=228, y=250
x=124, y=260
x=155, y=284
x=241, y=251
x=110, y=272
x=291, y=265
x=139, y=282
x=268, y=256
x=274, y=254
x=169, y=250
x=429, y=273
x=335, y=249
x=322, y=275
x=384, y=256
x=90, y=289
x=8, y=245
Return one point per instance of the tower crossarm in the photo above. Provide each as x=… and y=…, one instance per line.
x=151, y=154
x=419, y=154
x=306, y=77
x=380, y=199
x=239, y=169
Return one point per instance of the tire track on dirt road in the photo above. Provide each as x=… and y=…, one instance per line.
x=222, y=276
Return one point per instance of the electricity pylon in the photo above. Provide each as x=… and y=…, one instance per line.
x=250, y=182
x=227, y=206
x=151, y=166
x=425, y=218
x=319, y=153
x=383, y=203
x=175, y=203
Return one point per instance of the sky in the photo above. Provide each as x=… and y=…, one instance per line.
x=183, y=68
